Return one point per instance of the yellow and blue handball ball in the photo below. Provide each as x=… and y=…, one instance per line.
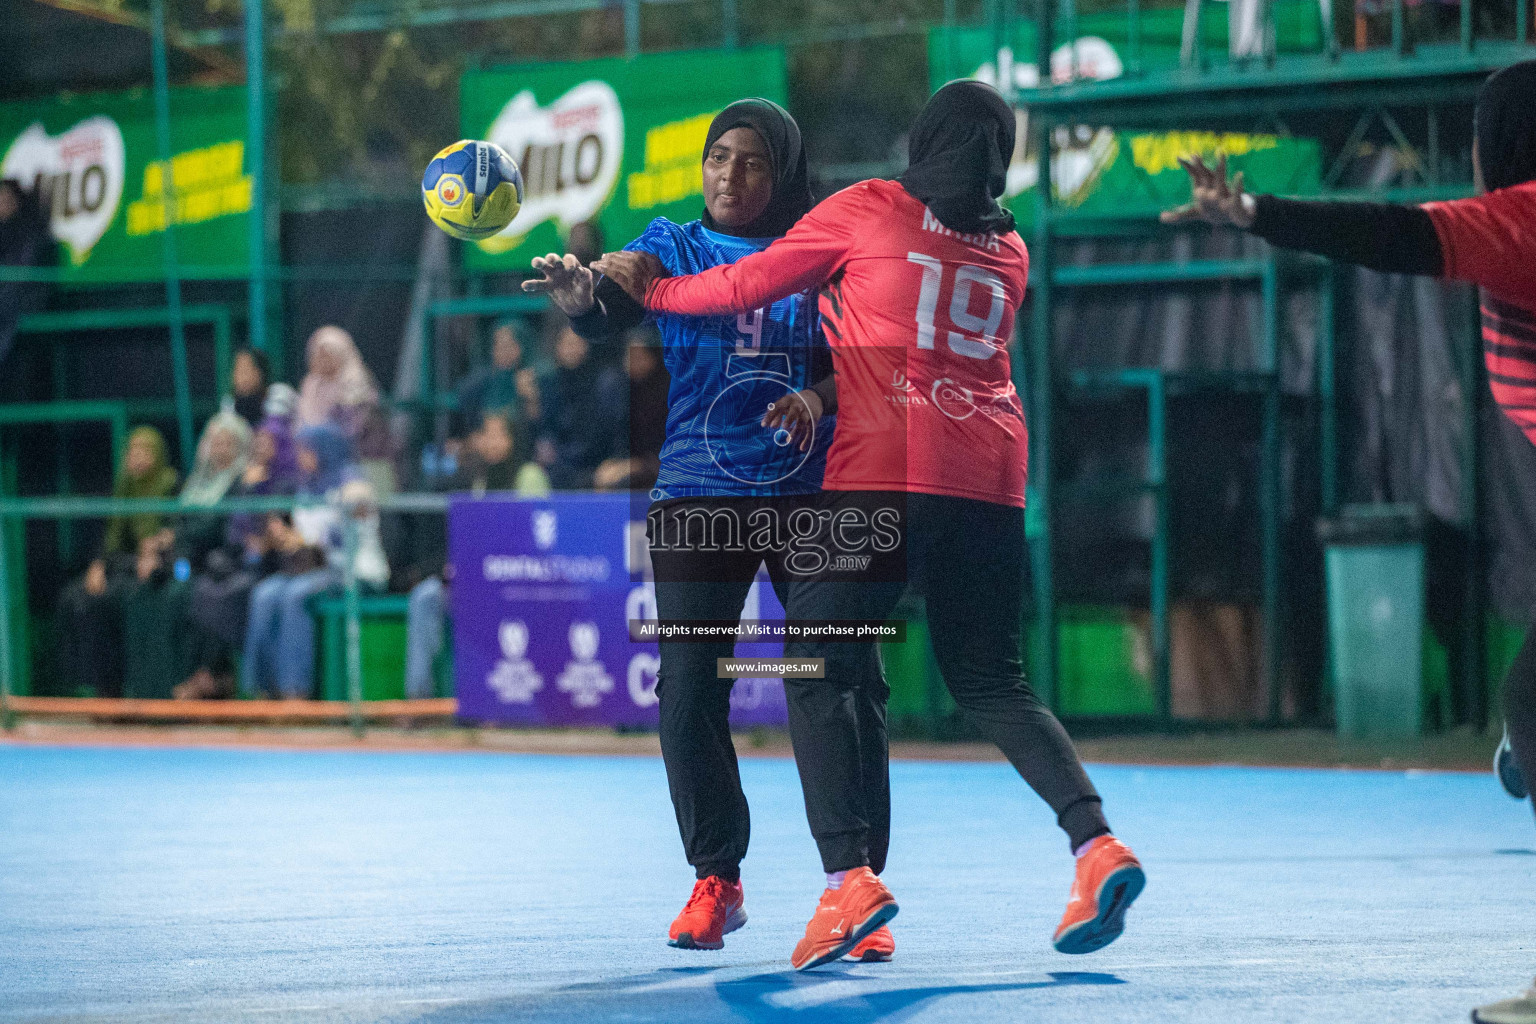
x=472, y=189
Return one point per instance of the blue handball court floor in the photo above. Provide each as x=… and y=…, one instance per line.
x=141, y=885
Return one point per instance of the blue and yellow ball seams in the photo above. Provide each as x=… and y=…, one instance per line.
x=483, y=174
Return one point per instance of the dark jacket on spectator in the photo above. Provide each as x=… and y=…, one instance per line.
x=585, y=417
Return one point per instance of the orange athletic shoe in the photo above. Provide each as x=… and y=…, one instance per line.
x=877, y=948
x=843, y=918
x=712, y=912
x=1109, y=878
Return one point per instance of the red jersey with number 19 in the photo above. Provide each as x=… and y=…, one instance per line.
x=919, y=318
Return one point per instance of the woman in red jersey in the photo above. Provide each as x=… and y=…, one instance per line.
x=1489, y=240
x=920, y=280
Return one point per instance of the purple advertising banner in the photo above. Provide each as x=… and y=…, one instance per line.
x=543, y=591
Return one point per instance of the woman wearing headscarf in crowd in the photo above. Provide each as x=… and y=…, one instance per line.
x=90, y=609
x=272, y=469
x=249, y=380
x=280, y=634
x=1488, y=240
x=337, y=387
x=221, y=589
x=223, y=455
x=340, y=390
x=920, y=280
x=156, y=600
x=718, y=464
x=506, y=386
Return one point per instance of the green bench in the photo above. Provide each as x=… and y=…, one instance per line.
x=381, y=626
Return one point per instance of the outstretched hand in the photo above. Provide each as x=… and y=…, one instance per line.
x=632, y=271
x=1215, y=200
x=567, y=283
x=797, y=414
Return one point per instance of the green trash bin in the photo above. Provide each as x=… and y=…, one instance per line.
x=1375, y=569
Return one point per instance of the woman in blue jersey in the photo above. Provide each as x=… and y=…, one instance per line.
x=729, y=489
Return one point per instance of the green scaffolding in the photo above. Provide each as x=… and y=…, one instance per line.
x=1277, y=92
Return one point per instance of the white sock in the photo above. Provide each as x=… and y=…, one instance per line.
x=835, y=879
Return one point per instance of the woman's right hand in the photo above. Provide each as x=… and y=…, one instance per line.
x=567, y=283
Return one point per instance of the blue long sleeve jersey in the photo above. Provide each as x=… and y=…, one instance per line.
x=726, y=371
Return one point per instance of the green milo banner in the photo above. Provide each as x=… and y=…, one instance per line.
x=617, y=141
x=1099, y=171
x=95, y=160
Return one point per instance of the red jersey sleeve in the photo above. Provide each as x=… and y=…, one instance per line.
x=810, y=253
x=1490, y=240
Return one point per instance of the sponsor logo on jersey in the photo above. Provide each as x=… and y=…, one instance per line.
x=904, y=391
x=953, y=400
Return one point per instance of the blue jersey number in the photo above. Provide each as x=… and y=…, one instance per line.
x=749, y=332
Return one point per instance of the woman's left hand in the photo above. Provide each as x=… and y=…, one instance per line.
x=1213, y=198
x=632, y=271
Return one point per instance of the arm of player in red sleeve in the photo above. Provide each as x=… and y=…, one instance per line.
x=807, y=256
x=1490, y=240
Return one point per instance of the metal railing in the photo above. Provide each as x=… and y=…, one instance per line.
x=20, y=509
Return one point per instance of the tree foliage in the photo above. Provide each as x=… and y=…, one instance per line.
x=365, y=106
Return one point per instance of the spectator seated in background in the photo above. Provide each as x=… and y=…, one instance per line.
x=223, y=455
x=89, y=624
x=647, y=425
x=584, y=421
x=280, y=633
x=272, y=470
x=221, y=589
x=26, y=240
x=490, y=464
x=506, y=386
x=248, y=385
x=339, y=389
x=157, y=600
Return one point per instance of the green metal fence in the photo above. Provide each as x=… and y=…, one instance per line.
x=21, y=509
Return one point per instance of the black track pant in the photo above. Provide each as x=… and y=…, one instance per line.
x=968, y=559
x=704, y=571
x=1520, y=707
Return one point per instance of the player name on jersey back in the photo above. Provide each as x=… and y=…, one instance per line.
x=919, y=322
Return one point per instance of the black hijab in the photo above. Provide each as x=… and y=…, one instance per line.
x=958, y=157
x=1506, y=126
x=791, y=184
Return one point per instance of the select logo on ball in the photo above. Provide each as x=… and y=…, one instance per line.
x=450, y=190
